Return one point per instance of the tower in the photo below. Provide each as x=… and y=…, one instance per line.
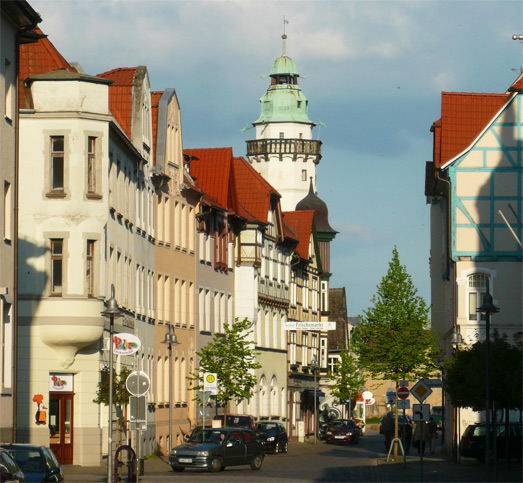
x=284, y=152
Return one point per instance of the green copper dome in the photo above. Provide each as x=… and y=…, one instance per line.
x=284, y=101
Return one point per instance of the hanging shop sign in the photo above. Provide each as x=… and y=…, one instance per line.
x=311, y=325
x=61, y=382
x=125, y=344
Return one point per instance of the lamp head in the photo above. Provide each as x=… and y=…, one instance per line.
x=112, y=307
x=170, y=339
x=456, y=339
x=488, y=306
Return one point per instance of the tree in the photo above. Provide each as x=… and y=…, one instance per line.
x=465, y=379
x=233, y=359
x=348, y=379
x=393, y=340
x=120, y=392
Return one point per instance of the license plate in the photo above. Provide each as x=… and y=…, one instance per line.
x=340, y=437
x=184, y=460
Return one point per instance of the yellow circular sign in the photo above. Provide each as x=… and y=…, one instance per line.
x=210, y=378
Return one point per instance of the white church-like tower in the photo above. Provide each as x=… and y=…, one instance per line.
x=284, y=152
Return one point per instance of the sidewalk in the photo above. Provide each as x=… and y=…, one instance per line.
x=437, y=468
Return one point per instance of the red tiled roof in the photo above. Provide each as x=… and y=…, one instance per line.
x=518, y=84
x=463, y=117
x=121, y=96
x=301, y=222
x=211, y=170
x=253, y=192
x=155, y=100
x=39, y=57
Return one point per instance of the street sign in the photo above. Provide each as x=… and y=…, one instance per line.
x=421, y=412
x=137, y=408
x=210, y=382
x=421, y=391
x=390, y=395
x=433, y=383
x=138, y=383
x=403, y=392
x=404, y=404
x=404, y=383
x=367, y=395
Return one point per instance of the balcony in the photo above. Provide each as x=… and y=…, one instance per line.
x=296, y=147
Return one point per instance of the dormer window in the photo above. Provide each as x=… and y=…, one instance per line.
x=299, y=104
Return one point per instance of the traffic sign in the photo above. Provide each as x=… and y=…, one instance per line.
x=421, y=391
x=403, y=392
x=138, y=383
x=433, y=382
x=421, y=412
x=390, y=395
x=210, y=382
x=404, y=404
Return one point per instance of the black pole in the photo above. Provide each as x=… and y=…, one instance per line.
x=487, y=396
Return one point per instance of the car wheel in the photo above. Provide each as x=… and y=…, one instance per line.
x=256, y=462
x=177, y=469
x=216, y=464
x=285, y=447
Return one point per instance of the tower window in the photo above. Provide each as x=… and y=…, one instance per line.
x=299, y=104
x=282, y=135
x=304, y=175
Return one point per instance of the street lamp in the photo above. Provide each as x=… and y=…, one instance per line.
x=314, y=367
x=487, y=308
x=112, y=311
x=455, y=340
x=170, y=339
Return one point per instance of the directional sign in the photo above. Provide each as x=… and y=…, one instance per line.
x=421, y=412
x=421, y=391
x=390, y=395
x=403, y=392
x=432, y=383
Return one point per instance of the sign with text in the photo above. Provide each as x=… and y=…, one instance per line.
x=404, y=404
x=61, y=382
x=125, y=344
x=210, y=382
x=311, y=325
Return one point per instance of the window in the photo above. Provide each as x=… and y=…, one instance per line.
x=299, y=104
x=91, y=164
x=292, y=348
x=282, y=135
x=305, y=350
x=304, y=175
x=57, y=246
x=7, y=211
x=9, y=89
x=89, y=271
x=57, y=163
x=476, y=288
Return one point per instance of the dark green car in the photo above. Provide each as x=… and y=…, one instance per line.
x=215, y=449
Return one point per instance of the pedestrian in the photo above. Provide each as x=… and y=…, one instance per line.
x=387, y=425
x=407, y=427
x=433, y=434
x=421, y=436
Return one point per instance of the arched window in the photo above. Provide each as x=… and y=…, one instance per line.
x=476, y=288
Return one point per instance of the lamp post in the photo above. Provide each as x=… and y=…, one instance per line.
x=112, y=311
x=314, y=367
x=170, y=339
x=456, y=340
x=487, y=308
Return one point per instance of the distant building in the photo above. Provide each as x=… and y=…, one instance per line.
x=474, y=186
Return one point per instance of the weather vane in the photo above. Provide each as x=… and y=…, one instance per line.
x=284, y=22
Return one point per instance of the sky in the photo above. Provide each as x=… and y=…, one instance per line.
x=373, y=72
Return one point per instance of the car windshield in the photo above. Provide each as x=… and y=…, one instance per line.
x=265, y=427
x=216, y=436
x=29, y=459
x=342, y=424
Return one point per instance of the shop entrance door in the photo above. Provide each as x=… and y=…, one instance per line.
x=61, y=426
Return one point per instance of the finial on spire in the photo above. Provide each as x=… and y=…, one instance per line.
x=284, y=36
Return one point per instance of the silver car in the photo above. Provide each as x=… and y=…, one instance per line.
x=215, y=449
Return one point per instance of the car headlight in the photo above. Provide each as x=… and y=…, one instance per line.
x=173, y=452
x=349, y=434
x=271, y=438
x=329, y=432
x=203, y=453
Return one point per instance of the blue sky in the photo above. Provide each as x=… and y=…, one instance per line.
x=372, y=71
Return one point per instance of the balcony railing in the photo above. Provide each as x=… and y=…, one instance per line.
x=266, y=147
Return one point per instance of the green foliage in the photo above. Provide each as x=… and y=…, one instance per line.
x=233, y=359
x=120, y=393
x=466, y=375
x=348, y=380
x=393, y=340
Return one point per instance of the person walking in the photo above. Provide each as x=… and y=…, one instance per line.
x=388, y=426
x=421, y=436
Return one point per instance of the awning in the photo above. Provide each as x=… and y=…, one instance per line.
x=310, y=393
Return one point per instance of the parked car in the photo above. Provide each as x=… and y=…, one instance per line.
x=472, y=444
x=343, y=431
x=236, y=421
x=38, y=463
x=437, y=415
x=9, y=470
x=273, y=436
x=216, y=448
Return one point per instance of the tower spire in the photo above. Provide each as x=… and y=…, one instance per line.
x=284, y=36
